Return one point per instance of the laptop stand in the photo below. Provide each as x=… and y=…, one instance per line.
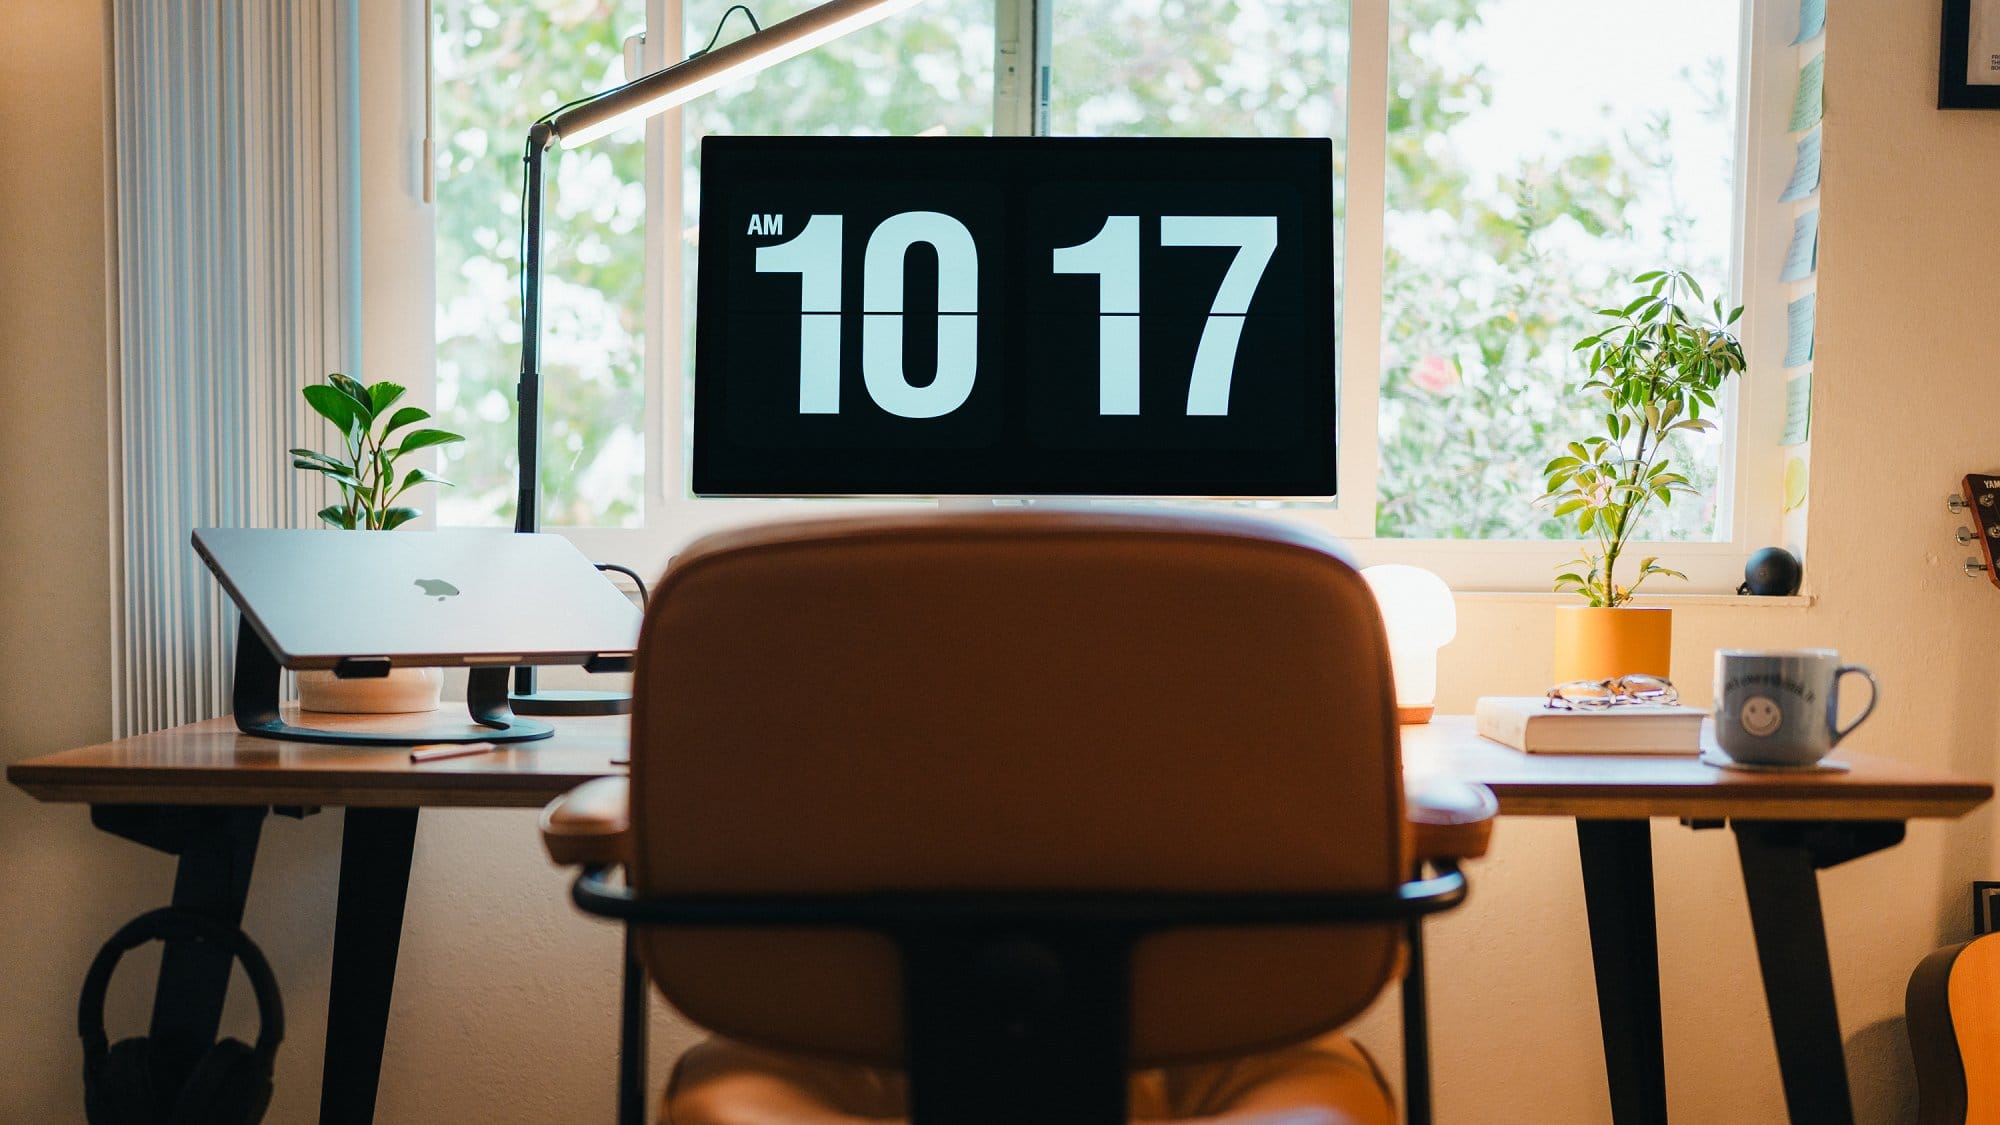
x=255, y=701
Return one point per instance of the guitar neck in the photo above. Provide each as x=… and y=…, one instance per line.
x=1982, y=501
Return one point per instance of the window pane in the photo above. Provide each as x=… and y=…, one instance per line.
x=1539, y=158
x=499, y=65
x=924, y=72
x=1215, y=68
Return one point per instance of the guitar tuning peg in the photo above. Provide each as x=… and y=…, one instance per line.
x=1975, y=568
x=1955, y=504
x=1965, y=536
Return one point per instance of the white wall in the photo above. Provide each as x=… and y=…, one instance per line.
x=62, y=885
x=505, y=1009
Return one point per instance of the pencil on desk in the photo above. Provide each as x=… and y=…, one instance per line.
x=436, y=750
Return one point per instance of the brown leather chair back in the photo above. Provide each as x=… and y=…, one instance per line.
x=1017, y=701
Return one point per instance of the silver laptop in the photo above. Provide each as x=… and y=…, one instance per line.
x=443, y=598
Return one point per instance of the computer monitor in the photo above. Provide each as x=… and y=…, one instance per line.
x=1024, y=316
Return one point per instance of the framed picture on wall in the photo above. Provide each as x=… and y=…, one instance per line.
x=1969, y=55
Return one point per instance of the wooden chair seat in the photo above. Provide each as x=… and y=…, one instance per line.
x=1329, y=1081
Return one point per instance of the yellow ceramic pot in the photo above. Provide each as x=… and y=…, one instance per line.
x=1597, y=644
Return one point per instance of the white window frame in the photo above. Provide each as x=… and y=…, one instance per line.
x=1749, y=510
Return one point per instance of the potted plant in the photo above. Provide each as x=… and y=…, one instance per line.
x=371, y=500
x=1657, y=366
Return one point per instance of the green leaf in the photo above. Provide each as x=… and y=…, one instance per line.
x=363, y=402
x=421, y=439
x=338, y=476
x=381, y=395
x=319, y=458
x=397, y=517
x=338, y=515
x=418, y=476
x=404, y=417
x=332, y=405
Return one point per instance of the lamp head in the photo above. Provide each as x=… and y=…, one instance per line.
x=684, y=81
x=1420, y=618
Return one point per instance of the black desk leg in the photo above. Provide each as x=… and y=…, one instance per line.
x=1625, y=952
x=1780, y=875
x=217, y=847
x=375, y=850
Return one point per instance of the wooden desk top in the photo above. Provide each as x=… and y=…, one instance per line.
x=210, y=763
x=1634, y=786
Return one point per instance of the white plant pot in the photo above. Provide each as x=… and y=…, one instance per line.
x=402, y=691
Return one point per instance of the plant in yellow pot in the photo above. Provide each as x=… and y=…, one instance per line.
x=1658, y=364
x=371, y=501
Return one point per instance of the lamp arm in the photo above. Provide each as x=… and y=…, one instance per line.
x=528, y=392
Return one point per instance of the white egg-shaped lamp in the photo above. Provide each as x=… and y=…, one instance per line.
x=1420, y=617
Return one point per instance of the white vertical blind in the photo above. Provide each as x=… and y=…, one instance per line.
x=234, y=290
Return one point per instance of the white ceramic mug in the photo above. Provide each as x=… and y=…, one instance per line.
x=1781, y=707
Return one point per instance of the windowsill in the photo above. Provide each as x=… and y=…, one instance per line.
x=1661, y=601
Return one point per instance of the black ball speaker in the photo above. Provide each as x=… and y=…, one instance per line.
x=1773, y=573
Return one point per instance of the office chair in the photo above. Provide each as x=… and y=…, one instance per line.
x=1014, y=817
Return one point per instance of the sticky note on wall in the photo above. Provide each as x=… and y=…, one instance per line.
x=1798, y=410
x=1805, y=170
x=1807, y=99
x=1812, y=20
x=1802, y=257
x=1799, y=331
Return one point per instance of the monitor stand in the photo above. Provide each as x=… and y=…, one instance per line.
x=255, y=701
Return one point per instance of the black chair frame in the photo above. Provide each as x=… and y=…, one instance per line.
x=1016, y=1005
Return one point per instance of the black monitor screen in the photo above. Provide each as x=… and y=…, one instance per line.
x=1015, y=316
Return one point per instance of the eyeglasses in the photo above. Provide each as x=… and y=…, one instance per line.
x=1599, y=695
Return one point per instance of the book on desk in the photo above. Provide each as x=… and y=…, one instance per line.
x=1527, y=723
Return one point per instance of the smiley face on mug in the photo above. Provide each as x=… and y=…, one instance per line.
x=1760, y=715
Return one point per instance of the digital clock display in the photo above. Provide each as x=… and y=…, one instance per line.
x=1015, y=316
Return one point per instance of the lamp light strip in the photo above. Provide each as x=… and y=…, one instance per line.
x=664, y=89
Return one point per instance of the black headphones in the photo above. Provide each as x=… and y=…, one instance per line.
x=139, y=1082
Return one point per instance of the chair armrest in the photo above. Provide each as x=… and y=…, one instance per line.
x=1449, y=819
x=588, y=825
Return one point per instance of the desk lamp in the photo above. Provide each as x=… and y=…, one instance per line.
x=1420, y=618
x=586, y=120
